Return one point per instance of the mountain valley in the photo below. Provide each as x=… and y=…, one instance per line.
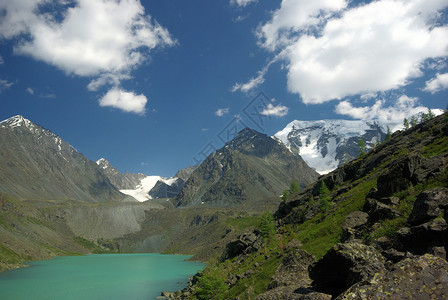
x=268, y=224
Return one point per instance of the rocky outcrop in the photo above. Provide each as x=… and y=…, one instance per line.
x=344, y=265
x=246, y=243
x=423, y=278
x=429, y=205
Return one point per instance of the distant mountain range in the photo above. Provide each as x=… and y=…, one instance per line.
x=37, y=164
x=248, y=169
x=327, y=144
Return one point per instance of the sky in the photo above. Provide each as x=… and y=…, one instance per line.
x=156, y=86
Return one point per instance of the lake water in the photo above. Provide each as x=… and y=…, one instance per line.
x=104, y=276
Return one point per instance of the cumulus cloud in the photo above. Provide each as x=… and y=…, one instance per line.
x=276, y=111
x=101, y=39
x=242, y=3
x=221, y=112
x=126, y=101
x=403, y=107
x=437, y=84
x=29, y=91
x=333, y=50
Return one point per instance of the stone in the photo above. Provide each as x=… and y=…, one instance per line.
x=355, y=220
x=425, y=277
x=429, y=205
x=245, y=243
x=293, y=270
x=379, y=211
x=419, y=239
x=344, y=265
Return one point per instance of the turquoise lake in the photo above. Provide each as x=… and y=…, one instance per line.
x=104, y=276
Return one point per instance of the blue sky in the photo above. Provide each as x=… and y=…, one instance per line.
x=155, y=86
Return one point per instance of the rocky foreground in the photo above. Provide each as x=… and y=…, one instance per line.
x=375, y=228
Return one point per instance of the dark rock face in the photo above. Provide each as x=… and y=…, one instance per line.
x=344, y=265
x=121, y=181
x=422, y=278
x=245, y=244
x=379, y=211
x=429, y=205
x=419, y=239
x=163, y=190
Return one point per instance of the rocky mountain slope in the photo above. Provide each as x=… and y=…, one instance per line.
x=140, y=186
x=121, y=181
x=375, y=228
x=36, y=163
x=252, y=167
x=327, y=144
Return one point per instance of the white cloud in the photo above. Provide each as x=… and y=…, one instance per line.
x=222, y=111
x=276, y=111
x=5, y=84
x=253, y=83
x=333, y=51
x=104, y=40
x=29, y=91
x=1, y=60
x=403, y=107
x=242, y=3
x=125, y=101
x=437, y=84
x=293, y=17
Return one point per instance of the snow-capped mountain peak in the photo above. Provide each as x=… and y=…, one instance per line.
x=17, y=121
x=325, y=144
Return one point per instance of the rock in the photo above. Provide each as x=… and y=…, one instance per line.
x=439, y=252
x=293, y=270
x=246, y=243
x=383, y=242
x=284, y=293
x=293, y=244
x=354, y=221
x=394, y=255
x=379, y=211
x=423, y=278
x=167, y=295
x=400, y=174
x=344, y=265
x=419, y=239
x=429, y=205
x=392, y=201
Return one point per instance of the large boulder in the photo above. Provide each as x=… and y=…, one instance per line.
x=354, y=221
x=429, y=205
x=293, y=270
x=423, y=278
x=245, y=243
x=343, y=266
x=400, y=174
x=379, y=211
x=420, y=239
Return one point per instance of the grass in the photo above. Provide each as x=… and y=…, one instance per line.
x=439, y=146
x=245, y=222
x=92, y=247
x=321, y=233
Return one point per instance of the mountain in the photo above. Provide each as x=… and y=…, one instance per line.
x=37, y=164
x=140, y=186
x=184, y=174
x=248, y=169
x=119, y=180
x=327, y=144
x=374, y=228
